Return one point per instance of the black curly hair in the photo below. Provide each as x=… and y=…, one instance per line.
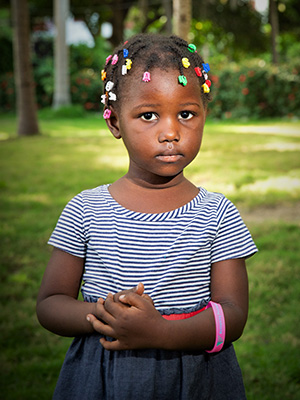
x=145, y=52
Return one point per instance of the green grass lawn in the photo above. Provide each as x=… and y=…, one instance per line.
x=256, y=165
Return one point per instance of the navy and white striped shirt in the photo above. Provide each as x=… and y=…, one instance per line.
x=171, y=252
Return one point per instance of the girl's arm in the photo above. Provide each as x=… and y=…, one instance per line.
x=58, y=309
x=141, y=325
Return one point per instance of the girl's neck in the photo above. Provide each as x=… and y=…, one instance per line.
x=151, y=197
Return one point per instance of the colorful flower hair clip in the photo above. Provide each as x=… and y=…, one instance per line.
x=125, y=53
x=109, y=86
x=192, y=48
x=114, y=59
x=107, y=114
x=128, y=63
x=208, y=82
x=198, y=71
x=124, y=69
x=182, y=79
x=205, y=67
x=103, y=98
x=206, y=88
x=146, y=77
x=107, y=59
x=112, y=96
x=103, y=75
x=185, y=62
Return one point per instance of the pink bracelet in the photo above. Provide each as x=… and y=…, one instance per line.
x=220, y=326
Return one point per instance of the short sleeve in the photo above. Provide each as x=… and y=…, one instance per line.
x=69, y=234
x=233, y=239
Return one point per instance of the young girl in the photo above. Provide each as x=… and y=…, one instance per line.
x=162, y=261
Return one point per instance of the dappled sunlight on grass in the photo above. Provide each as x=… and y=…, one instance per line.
x=251, y=164
x=276, y=146
x=280, y=183
x=278, y=129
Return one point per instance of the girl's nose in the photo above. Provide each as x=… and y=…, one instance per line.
x=169, y=132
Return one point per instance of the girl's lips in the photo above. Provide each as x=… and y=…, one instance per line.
x=169, y=157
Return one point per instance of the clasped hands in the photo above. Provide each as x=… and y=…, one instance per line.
x=130, y=318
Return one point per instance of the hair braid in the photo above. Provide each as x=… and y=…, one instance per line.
x=148, y=51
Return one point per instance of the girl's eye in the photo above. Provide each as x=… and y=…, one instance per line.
x=149, y=116
x=185, y=115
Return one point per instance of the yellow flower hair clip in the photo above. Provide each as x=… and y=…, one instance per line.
x=206, y=88
x=103, y=75
x=128, y=63
x=185, y=62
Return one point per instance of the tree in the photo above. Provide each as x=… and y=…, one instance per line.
x=62, y=95
x=182, y=14
x=273, y=17
x=26, y=105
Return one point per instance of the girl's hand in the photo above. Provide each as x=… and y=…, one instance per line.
x=139, y=289
x=133, y=322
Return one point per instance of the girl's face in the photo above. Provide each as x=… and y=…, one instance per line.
x=161, y=124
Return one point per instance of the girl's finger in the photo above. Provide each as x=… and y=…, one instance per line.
x=133, y=300
x=112, y=346
x=99, y=326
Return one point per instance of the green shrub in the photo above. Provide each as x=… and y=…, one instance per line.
x=256, y=90
x=86, y=89
x=7, y=92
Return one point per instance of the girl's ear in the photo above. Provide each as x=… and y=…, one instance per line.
x=113, y=123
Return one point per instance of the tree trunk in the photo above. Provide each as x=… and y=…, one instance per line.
x=26, y=104
x=182, y=14
x=61, y=56
x=273, y=15
x=168, y=11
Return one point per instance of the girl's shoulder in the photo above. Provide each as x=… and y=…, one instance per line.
x=90, y=195
x=87, y=199
x=214, y=199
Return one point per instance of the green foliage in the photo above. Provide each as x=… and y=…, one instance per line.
x=86, y=85
x=233, y=30
x=7, y=92
x=86, y=89
x=255, y=89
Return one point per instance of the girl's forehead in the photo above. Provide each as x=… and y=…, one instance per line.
x=161, y=80
x=162, y=89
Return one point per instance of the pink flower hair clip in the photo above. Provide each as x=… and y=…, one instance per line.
x=146, y=77
x=114, y=59
x=107, y=114
x=108, y=59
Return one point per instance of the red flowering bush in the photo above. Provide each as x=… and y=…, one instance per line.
x=7, y=92
x=256, y=90
x=86, y=89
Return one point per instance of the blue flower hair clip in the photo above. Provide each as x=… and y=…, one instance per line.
x=205, y=67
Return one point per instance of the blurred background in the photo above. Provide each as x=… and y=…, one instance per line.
x=54, y=143
x=253, y=47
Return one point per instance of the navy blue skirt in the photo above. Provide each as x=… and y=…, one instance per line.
x=91, y=372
